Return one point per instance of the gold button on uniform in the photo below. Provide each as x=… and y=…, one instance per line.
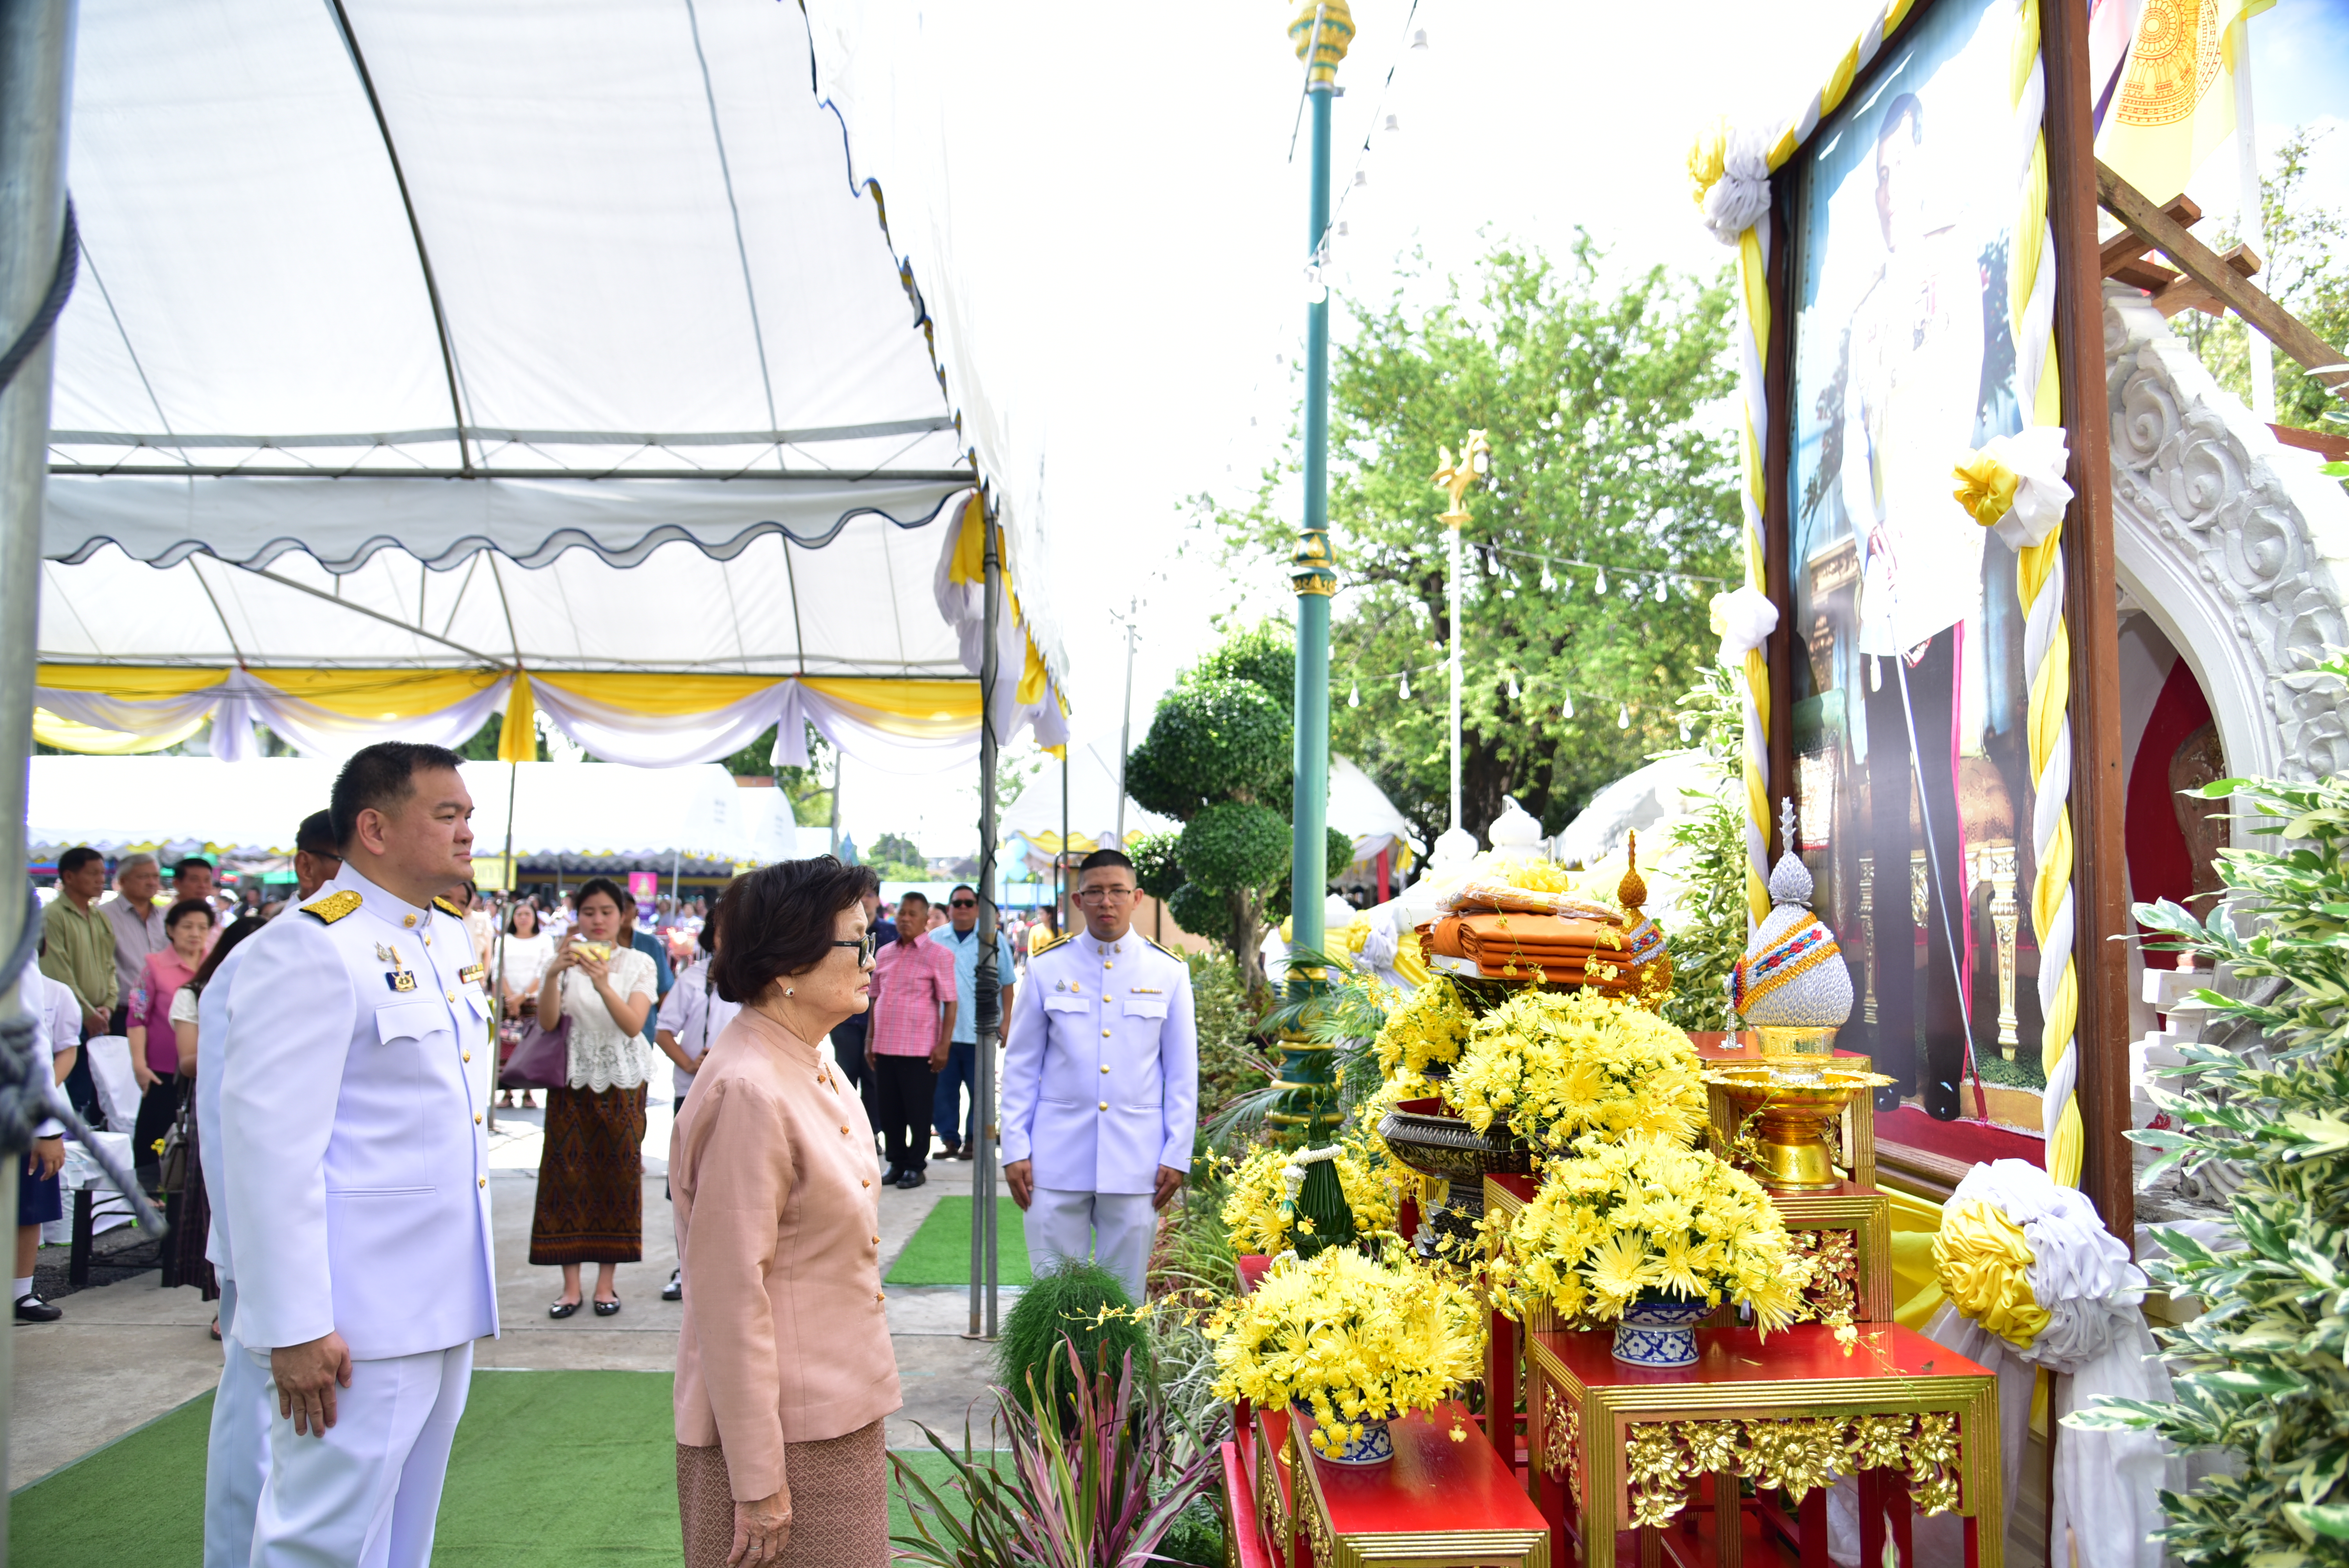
x=1105, y=1105
x=1107, y=965
x=428, y=939
x=1105, y=1034
x=1104, y=1066
x=483, y=1182
x=477, y=1118
x=469, y=1056
x=408, y=920
x=452, y=996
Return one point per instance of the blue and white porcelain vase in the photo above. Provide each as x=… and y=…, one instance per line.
x=1374, y=1447
x=1655, y=1332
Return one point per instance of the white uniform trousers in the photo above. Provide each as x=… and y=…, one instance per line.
x=236, y=1459
x=367, y=1494
x=1114, y=1229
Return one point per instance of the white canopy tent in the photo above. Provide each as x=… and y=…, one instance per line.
x=579, y=810
x=453, y=341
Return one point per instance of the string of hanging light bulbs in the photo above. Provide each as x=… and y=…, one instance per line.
x=1623, y=710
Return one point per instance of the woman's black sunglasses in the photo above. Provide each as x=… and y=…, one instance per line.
x=865, y=949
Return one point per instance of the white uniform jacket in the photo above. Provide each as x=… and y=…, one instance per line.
x=1101, y=1067
x=357, y=1168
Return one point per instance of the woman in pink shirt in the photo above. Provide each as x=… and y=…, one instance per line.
x=154, y=1045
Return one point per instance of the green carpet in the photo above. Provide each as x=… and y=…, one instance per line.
x=939, y=1252
x=548, y=1467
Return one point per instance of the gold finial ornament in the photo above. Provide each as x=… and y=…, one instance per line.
x=1632, y=890
x=1326, y=27
x=1457, y=475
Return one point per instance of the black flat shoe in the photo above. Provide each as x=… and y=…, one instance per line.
x=31, y=1308
x=911, y=1180
x=563, y=1309
x=607, y=1308
x=674, y=1289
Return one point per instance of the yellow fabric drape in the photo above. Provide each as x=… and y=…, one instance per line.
x=1916, y=1284
x=65, y=734
x=1033, y=676
x=518, y=736
x=970, y=564
x=132, y=682
x=918, y=710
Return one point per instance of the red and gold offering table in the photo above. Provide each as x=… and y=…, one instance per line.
x=1441, y=1502
x=1626, y=1448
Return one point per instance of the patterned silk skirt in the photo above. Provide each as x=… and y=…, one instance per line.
x=591, y=1171
x=840, y=1502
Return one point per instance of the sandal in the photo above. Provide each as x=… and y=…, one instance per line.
x=527, y=1102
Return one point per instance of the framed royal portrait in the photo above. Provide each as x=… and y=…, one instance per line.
x=1909, y=692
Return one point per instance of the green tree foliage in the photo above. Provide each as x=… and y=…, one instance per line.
x=1219, y=758
x=2260, y=1377
x=1710, y=934
x=1230, y=1065
x=1590, y=397
x=1156, y=869
x=2305, y=269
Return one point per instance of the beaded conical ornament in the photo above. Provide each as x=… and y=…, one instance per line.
x=1792, y=974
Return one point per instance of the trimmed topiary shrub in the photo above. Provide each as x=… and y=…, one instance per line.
x=1081, y=1303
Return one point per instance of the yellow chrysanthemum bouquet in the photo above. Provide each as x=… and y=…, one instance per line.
x=1357, y=1340
x=1553, y=1066
x=1427, y=1031
x=1645, y=1219
x=1252, y=1213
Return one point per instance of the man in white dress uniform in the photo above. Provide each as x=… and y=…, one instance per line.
x=1100, y=1084
x=356, y=1178
x=237, y=1458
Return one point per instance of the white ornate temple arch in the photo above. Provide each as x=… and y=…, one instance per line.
x=2232, y=554
x=2233, y=544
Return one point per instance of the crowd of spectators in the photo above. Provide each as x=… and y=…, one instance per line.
x=126, y=951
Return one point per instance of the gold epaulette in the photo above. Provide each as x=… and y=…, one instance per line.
x=334, y=906
x=1162, y=948
x=442, y=903
x=1061, y=941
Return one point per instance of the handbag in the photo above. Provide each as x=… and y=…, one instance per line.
x=174, y=1158
x=542, y=1060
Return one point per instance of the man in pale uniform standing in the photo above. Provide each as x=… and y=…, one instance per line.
x=236, y=1455
x=1100, y=1084
x=357, y=1172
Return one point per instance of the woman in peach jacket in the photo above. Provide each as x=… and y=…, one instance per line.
x=784, y=1370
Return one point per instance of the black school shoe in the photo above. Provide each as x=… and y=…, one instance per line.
x=894, y=1177
x=674, y=1289
x=31, y=1308
x=911, y=1180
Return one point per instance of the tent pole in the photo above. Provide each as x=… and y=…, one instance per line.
x=1061, y=915
x=986, y=993
x=36, y=51
x=498, y=966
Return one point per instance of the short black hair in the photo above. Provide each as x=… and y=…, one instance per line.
x=779, y=921
x=514, y=913
x=913, y=892
x=186, y=907
x=1100, y=858
x=380, y=777
x=609, y=889
x=315, y=836
x=192, y=864
x=73, y=860
x=962, y=887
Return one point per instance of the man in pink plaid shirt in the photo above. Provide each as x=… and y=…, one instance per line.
x=912, y=1025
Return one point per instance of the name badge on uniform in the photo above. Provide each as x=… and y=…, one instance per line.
x=400, y=977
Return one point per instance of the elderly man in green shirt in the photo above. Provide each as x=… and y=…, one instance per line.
x=77, y=942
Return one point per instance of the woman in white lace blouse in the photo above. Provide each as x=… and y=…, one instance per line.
x=591, y=1166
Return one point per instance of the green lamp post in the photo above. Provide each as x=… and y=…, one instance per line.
x=1321, y=29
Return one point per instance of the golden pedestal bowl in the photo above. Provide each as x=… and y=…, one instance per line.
x=1797, y=1039
x=1793, y=1103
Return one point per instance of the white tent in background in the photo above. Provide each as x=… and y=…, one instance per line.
x=1361, y=810
x=578, y=811
x=453, y=344
x=1031, y=825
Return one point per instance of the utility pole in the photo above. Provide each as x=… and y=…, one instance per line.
x=1321, y=29
x=1453, y=477
x=1125, y=724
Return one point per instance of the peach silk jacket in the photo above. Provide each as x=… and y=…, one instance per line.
x=786, y=1339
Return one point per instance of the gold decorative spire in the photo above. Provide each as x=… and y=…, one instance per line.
x=1632, y=890
x=1326, y=27
x=1456, y=476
